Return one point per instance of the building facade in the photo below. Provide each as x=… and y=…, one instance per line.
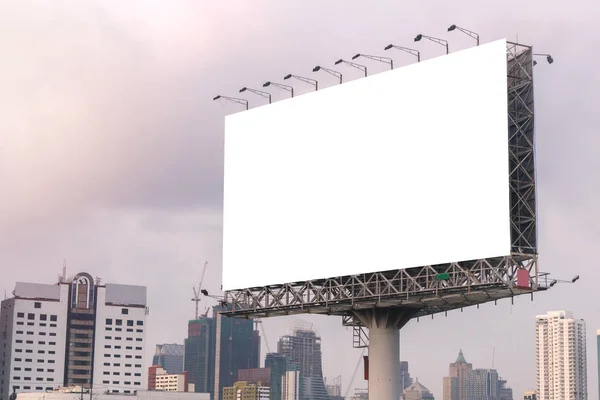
x=246, y=391
x=482, y=384
x=277, y=364
x=405, y=379
x=561, y=357
x=160, y=379
x=257, y=376
x=417, y=391
x=170, y=357
x=55, y=336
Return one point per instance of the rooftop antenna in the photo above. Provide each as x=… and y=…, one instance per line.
x=196, y=297
x=493, y=356
x=64, y=271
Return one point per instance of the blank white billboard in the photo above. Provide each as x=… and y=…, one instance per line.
x=401, y=169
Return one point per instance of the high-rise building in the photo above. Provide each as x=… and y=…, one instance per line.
x=530, y=395
x=170, y=357
x=199, y=360
x=277, y=364
x=482, y=384
x=304, y=349
x=74, y=333
x=237, y=347
x=292, y=383
x=561, y=356
x=405, y=379
x=416, y=391
x=455, y=385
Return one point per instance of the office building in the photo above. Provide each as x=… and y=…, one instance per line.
x=199, y=350
x=246, y=391
x=455, y=385
x=504, y=392
x=292, y=383
x=170, y=357
x=304, y=349
x=73, y=333
x=277, y=364
x=561, y=356
x=417, y=391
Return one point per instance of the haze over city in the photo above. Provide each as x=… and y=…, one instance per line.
x=111, y=152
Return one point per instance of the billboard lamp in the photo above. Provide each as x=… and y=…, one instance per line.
x=266, y=95
x=405, y=49
x=329, y=71
x=433, y=39
x=310, y=81
x=361, y=67
x=281, y=86
x=466, y=31
x=385, y=60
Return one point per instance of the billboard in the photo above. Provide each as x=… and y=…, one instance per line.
x=401, y=169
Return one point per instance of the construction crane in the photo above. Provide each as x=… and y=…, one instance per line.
x=262, y=330
x=196, y=298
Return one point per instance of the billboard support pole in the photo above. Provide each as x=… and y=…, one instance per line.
x=384, y=326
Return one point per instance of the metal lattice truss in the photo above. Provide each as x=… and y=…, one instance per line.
x=432, y=289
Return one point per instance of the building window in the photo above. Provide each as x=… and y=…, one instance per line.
x=130, y=330
x=52, y=343
x=31, y=316
x=129, y=348
x=20, y=323
x=127, y=373
x=52, y=333
x=28, y=360
x=117, y=356
x=53, y=318
x=50, y=370
x=20, y=315
x=27, y=378
x=29, y=333
x=118, y=347
x=43, y=317
x=41, y=361
x=119, y=322
x=37, y=304
x=18, y=359
x=107, y=346
x=116, y=373
x=50, y=361
x=42, y=333
x=19, y=341
x=41, y=351
x=128, y=383
x=117, y=338
x=39, y=378
x=17, y=378
x=51, y=352
x=50, y=379
x=18, y=350
x=139, y=330
x=19, y=332
x=138, y=357
x=138, y=348
x=42, y=343
x=107, y=355
x=29, y=341
x=137, y=383
x=106, y=373
x=52, y=325
x=107, y=337
x=117, y=364
x=105, y=382
x=140, y=323
x=124, y=311
x=138, y=365
x=17, y=368
x=109, y=321
x=139, y=339
x=129, y=322
x=128, y=356
x=28, y=351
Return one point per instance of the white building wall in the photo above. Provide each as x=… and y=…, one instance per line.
x=119, y=350
x=561, y=357
x=170, y=382
x=34, y=331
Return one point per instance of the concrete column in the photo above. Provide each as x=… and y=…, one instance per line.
x=384, y=363
x=384, y=349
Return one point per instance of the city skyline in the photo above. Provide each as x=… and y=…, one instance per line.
x=118, y=166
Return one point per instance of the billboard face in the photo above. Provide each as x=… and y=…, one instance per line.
x=400, y=169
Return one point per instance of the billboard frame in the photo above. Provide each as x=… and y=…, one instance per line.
x=433, y=289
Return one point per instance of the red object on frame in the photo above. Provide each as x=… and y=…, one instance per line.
x=366, y=367
x=523, y=278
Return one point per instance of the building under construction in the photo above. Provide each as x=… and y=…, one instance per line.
x=304, y=349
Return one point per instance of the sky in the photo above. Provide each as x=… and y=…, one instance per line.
x=111, y=151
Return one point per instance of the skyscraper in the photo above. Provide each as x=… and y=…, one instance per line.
x=304, y=349
x=405, y=379
x=455, y=385
x=237, y=347
x=199, y=361
x=170, y=357
x=73, y=333
x=561, y=356
x=482, y=384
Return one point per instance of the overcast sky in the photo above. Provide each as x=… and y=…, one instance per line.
x=111, y=150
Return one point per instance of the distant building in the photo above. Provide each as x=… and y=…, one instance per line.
x=334, y=388
x=292, y=383
x=255, y=376
x=405, y=379
x=304, y=349
x=504, y=392
x=482, y=384
x=199, y=350
x=530, y=395
x=416, y=391
x=456, y=389
x=277, y=364
x=160, y=379
x=73, y=333
x=561, y=356
x=361, y=394
x=101, y=395
x=170, y=357
x=246, y=391
x=237, y=347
